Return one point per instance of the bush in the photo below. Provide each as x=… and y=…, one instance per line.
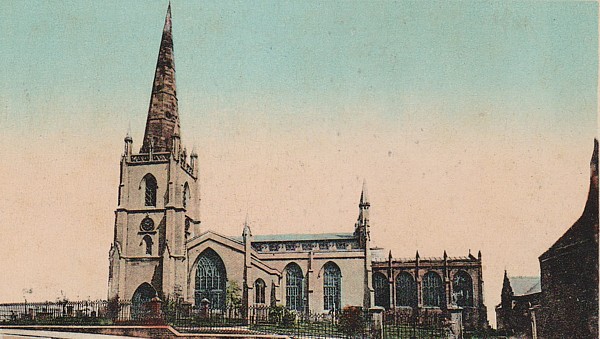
x=280, y=315
x=351, y=320
x=113, y=308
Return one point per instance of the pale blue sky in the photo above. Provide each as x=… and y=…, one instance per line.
x=526, y=61
x=472, y=122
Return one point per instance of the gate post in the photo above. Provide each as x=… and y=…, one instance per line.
x=376, y=313
x=456, y=326
x=155, y=310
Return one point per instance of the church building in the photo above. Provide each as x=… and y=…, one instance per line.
x=161, y=248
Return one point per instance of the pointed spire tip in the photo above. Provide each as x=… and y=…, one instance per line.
x=364, y=196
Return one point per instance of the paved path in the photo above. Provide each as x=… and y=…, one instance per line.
x=10, y=333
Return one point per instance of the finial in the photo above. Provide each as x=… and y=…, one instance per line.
x=195, y=155
x=246, y=232
x=390, y=255
x=445, y=255
x=479, y=254
x=128, y=135
x=364, y=197
x=418, y=254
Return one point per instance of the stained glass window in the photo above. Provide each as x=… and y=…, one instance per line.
x=406, y=290
x=382, y=290
x=259, y=290
x=433, y=290
x=211, y=280
x=294, y=287
x=462, y=289
x=332, y=283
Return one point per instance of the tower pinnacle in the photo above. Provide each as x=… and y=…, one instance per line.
x=364, y=198
x=361, y=228
x=163, y=116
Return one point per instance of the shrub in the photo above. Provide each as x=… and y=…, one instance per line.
x=113, y=308
x=280, y=315
x=351, y=320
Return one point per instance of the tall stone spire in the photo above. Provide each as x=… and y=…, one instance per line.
x=163, y=117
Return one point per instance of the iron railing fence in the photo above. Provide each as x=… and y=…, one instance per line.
x=351, y=322
x=87, y=312
x=409, y=323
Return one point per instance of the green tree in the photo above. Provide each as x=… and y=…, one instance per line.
x=234, y=295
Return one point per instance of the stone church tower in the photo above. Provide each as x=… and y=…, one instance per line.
x=159, y=197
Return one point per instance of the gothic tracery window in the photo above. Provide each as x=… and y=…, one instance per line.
x=382, y=290
x=332, y=283
x=433, y=290
x=211, y=280
x=259, y=290
x=150, y=190
x=406, y=290
x=294, y=287
x=462, y=289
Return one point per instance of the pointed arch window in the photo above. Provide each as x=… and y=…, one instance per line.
x=406, y=290
x=433, y=290
x=462, y=289
x=150, y=190
x=186, y=195
x=259, y=290
x=211, y=280
x=147, y=240
x=294, y=287
x=382, y=290
x=332, y=283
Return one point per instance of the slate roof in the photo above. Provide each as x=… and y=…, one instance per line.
x=300, y=237
x=585, y=229
x=525, y=285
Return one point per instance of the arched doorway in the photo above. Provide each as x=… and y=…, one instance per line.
x=211, y=280
x=139, y=302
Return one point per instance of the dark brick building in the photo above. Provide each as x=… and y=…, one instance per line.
x=432, y=285
x=520, y=299
x=569, y=273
